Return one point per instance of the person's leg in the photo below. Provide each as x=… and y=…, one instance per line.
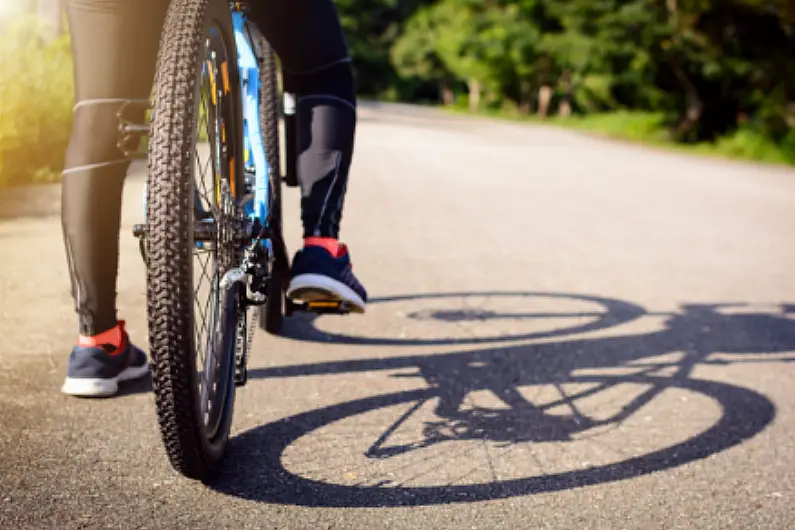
x=114, y=46
x=307, y=36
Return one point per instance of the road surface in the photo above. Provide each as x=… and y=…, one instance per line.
x=565, y=332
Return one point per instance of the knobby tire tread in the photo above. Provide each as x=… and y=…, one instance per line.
x=169, y=240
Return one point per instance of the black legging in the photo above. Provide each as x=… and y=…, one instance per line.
x=114, y=45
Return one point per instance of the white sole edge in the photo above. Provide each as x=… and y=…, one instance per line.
x=83, y=387
x=324, y=283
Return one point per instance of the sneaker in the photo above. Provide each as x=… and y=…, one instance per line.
x=321, y=273
x=95, y=369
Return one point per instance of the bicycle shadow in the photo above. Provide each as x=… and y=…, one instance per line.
x=255, y=470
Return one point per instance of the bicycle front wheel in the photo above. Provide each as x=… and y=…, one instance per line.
x=193, y=233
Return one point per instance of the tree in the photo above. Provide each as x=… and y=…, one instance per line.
x=459, y=43
x=414, y=53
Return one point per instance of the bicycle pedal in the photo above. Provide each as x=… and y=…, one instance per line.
x=332, y=307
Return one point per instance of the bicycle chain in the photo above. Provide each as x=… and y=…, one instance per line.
x=244, y=341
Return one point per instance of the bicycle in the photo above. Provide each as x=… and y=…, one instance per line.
x=215, y=93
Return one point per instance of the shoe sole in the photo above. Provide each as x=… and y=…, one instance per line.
x=96, y=387
x=319, y=288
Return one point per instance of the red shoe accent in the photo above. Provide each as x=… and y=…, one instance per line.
x=115, y=336
x=329, y=243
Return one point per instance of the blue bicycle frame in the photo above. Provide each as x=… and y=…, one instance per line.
x=255, y=157
x=252, y=133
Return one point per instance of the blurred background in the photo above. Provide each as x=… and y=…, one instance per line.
x=717, y=77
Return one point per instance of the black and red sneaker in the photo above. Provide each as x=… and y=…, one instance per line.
x=323, y=273
x=98, y=364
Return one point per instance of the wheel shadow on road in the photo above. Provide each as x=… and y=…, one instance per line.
x=578, y=370
x=303, y=326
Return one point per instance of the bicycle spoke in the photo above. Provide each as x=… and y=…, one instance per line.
x=210, y=194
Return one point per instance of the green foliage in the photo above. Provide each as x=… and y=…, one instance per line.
x=702, y=64
x=36, y=94
x=415, y=53
x=371, y=28
x=638, y=126
x=749, y=144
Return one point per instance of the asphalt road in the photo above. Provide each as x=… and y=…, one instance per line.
x=547, y=347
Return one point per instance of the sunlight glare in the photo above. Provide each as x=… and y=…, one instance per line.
x=9, y=8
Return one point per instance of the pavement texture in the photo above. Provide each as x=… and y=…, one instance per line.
x=565, y=332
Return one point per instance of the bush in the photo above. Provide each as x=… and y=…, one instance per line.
x=36, y=98
x=751, y=144
x=631, y=125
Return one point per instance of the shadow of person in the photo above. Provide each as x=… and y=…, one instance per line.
x=593, y=366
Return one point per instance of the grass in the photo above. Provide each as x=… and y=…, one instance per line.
x=648, y=128
x=36, y=98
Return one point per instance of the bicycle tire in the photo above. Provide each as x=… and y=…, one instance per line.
x=193, y=450
x=272, y=317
